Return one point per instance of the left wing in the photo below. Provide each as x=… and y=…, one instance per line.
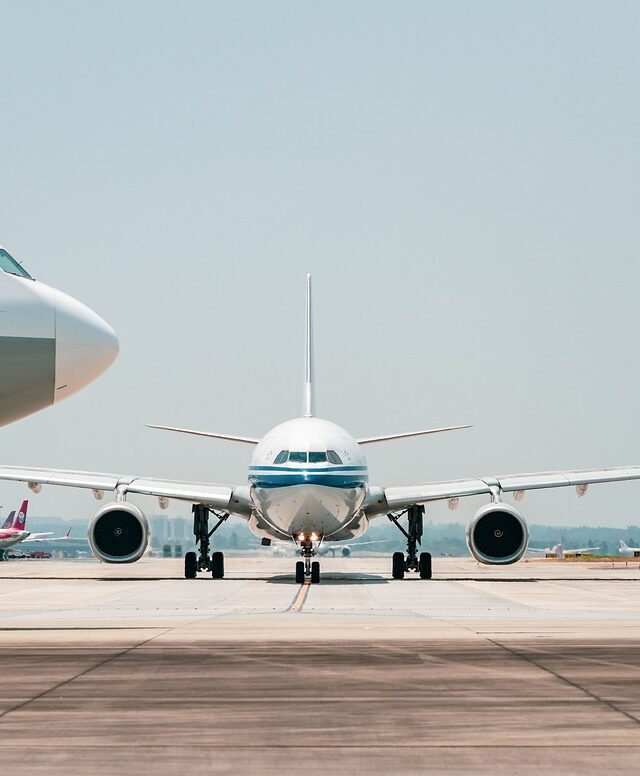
x=215, y=496
x=393, y=498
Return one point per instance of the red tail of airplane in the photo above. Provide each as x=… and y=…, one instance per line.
x=20, y=520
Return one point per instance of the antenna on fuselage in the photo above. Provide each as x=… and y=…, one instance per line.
x=308, y=400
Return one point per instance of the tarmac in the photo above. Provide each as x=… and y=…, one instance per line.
x=132, y=669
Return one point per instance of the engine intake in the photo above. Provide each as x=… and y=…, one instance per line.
x=497, y=534
x=119, y=533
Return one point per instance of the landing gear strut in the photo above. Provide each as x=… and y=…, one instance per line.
x=202, y=562
x=307, y=568
x=412, y=561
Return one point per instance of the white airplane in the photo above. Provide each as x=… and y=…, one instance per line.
x=624, y=549
x=308, y=482
x=561, y=552
x=51, y=345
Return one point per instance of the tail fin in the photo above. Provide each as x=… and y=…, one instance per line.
x=20, y=519
x=623, y=545
x=9, y=521
x=308, y=399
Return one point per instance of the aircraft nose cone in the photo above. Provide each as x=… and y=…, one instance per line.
x=85, y=345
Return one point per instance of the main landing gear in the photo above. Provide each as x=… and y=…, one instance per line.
x=412, y=562
x=202, y=562
x=307, y=568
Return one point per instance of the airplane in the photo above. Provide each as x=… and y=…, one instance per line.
x=624, y=549
x=560, y=552
x=308, y=483
x=51, y=345
x=14, y=531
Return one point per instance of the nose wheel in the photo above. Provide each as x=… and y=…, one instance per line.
x=307, y=568
x=412, y=561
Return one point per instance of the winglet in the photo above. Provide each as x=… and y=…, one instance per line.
x=308, y=399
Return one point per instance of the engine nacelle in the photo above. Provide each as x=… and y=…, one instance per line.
x=345, y=552
x=497, y=535
x=119, y=533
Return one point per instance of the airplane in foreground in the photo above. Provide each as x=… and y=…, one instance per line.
x=14, y=531
x=560, y=551
x=308, y=483
x=51, y=345
x=624, y=549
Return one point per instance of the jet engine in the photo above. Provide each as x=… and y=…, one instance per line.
x=497, y=534
x=118, y=533
x=346, y=552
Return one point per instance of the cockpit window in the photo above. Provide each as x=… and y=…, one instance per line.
x=298, y=457
x=282, y=456
x=317, y=457
x=333, y=457
x=10, y=265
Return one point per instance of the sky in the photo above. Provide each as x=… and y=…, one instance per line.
x=461, y=178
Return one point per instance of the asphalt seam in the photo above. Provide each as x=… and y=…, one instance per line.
x=571, y=683
x=86, y=671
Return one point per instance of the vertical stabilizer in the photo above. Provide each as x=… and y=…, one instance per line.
x=9, y=521
x=308, y=400
x=20, y=519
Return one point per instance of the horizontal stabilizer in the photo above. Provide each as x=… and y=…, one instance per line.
x=229, y=437
x=370, y=440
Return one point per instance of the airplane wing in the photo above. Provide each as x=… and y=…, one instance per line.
x=215, y=496
x=394, y=498
x=38, y=537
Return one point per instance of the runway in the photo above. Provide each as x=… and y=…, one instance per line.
x=482, y=670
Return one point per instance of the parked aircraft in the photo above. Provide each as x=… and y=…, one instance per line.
x=14, y=531
x=560, y=551
x=308, y=482
x=624, y=549
x=51, y=345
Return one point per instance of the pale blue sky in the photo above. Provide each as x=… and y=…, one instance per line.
x=462, y=179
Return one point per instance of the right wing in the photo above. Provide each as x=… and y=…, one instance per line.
x=215, y=496
x=394, y=498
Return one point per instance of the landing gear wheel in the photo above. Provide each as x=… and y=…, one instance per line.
x=315, y=572
x=299, y=572
x=425, y=565
x=217, y=565
x=398, y=565
x=190, y=565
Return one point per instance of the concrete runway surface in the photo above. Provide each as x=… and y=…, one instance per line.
x=533, y=668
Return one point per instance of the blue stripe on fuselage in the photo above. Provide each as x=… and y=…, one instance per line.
x=273, y=480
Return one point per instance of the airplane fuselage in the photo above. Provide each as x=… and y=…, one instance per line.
x=308, y=477
x=10, y=537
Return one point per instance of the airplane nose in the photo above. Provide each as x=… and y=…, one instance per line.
x=85, y=345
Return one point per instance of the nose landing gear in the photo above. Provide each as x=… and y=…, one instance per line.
x=202, y=562
x=307, y=569
x=412, y=562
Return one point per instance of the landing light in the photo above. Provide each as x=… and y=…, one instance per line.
x=314, y=537
x=301, y=537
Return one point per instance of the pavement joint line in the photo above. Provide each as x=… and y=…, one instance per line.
x=86, y=671
x=301, y=597
x=564, y=679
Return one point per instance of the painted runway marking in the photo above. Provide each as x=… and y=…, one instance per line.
x=301, y=597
